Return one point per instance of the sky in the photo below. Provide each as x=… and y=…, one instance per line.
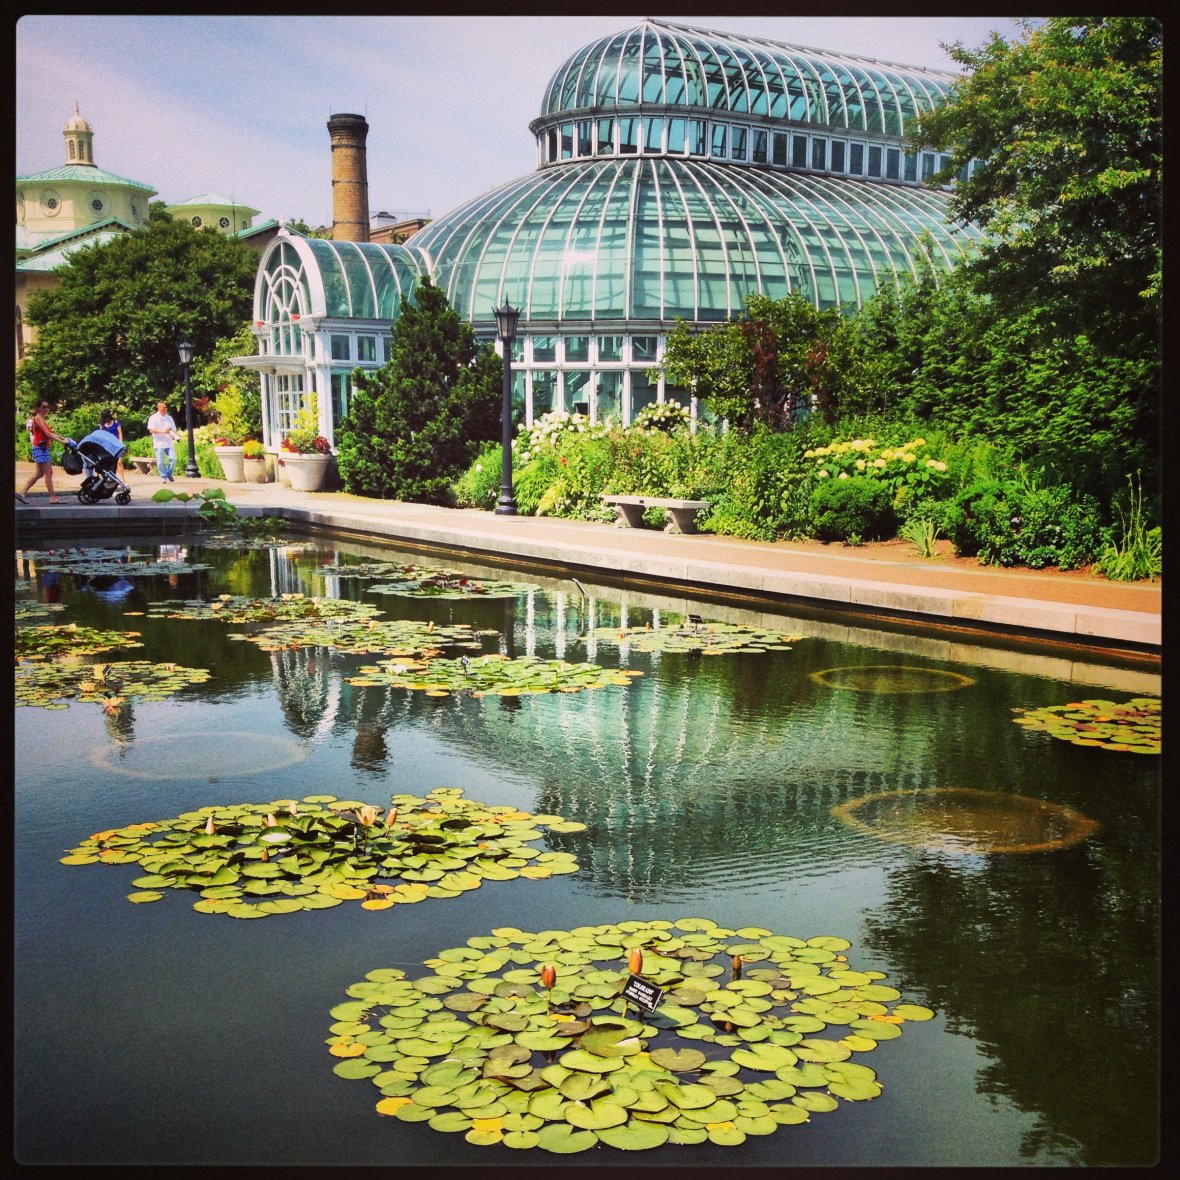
x=239, y=105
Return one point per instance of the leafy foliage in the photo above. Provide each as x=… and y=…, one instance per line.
x=779, y=360
x=108, y=332
x=416, y=423
x=527, y=1039
x=852, y=508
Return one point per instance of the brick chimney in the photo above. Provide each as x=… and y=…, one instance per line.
x=350, y=180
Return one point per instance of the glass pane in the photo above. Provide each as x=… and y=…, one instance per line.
x=608, y=398
x=628, y=130
x=780, y=149
x=544, y=384
x=874, y=159
x=653, y=134
x=911, y=167
x=341, y=348
x=819, y=153
x=699, y=142
x=719, y=136
x=577, y=348
x=643, y=348
x=584, y=128
x=856, y=158
x=677, y=131
x=799, y=151
x=366, y=348
x=567, y=141
x=893, y=164
x=610, y=348
x=544, y=348
x=838, y=146
x=606, y=136
x=758, y=150
x=577, y=391
x=644, y=390
x=739, y=143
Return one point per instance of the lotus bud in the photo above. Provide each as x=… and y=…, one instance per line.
x=635, y=961
x=737, y=966
x=209, y=828
x=548, y=975
x=265, y=854
x=391, y=817
x=270, y=820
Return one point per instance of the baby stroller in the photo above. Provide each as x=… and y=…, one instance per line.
x=98, y=455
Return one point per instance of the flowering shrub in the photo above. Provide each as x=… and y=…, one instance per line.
x=911, y=475
x=547, y=430
x=665, y=416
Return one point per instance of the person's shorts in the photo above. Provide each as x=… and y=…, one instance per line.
x=42, y=455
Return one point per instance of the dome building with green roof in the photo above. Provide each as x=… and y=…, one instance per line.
x=679, y=170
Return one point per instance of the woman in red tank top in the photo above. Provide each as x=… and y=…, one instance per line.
x=40, y=435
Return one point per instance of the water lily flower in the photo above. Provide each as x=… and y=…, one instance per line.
x=635, y=961
x=548, y=976
x=368, y=815
x=391, y=817
x=209, y=827
x=270, y=820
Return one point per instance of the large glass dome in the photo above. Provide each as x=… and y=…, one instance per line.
x=679, y=171
x=654, y=239
x=662, y=64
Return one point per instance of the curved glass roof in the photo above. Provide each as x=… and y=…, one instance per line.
x=346, y=280
x=656, y=238
x=657, y=63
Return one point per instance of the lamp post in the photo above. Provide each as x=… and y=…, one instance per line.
x=506, y=318
x=186, y=358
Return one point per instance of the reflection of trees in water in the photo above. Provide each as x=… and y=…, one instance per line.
x=308, y=688
x=1050, y=965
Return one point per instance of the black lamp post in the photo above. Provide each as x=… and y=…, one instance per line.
x=186, y=358
x=506, y=318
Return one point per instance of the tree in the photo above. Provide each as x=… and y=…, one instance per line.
x=778, y=359
x=109, y=330
x=1067, y=127
x=415, y=424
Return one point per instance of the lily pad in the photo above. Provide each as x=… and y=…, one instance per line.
x=616, y=1081
x=1133, y=727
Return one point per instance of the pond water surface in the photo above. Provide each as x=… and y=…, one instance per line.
x=709, y=788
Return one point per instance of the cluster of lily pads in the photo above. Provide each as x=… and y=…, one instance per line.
x=1133, y=727
x=280, y=608
x=527, y=1039
x=490, y=674
x=91, y=562
x=249, y=860
x=425, y=581
x=704, y=638
x=47, y=641
x=53, y=684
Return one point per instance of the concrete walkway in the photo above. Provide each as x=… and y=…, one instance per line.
x=875, y=580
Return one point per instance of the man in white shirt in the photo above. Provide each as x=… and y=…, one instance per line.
x=162, y=428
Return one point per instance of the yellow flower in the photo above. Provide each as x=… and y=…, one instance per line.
x=907, y=458
x=878, y=462
x=823, y=474
x=860, y=464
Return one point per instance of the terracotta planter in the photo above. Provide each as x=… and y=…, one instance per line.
x=254, y=470
x=231, y=462
x=306, y=472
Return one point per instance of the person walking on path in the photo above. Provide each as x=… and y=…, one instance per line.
x=40, y=436
x=162, y=427
x=107, y=421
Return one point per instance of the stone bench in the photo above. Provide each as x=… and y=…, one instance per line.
x=630, y=510
x=143, y=466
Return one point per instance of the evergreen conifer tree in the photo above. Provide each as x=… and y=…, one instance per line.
x=415, y=424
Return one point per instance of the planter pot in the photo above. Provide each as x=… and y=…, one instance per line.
x=306, y=472
x=254, y=470
x=282, y=474
x=231, y=462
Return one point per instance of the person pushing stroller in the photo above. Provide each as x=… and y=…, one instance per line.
x=97, y=455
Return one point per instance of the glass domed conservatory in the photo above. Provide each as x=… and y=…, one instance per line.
x=679, y=170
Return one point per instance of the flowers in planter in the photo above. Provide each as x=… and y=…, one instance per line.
x=253, y=449
x=304, y=442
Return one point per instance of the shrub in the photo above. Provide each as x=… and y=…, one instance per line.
x=1138, y=553
x=853, y=507
x=1013, y=521
x=479, y=485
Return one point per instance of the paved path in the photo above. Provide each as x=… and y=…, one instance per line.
x=887, y=579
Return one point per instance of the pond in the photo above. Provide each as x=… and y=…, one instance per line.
x=853, y=783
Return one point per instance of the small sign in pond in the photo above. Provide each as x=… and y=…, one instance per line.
x=643, y=994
